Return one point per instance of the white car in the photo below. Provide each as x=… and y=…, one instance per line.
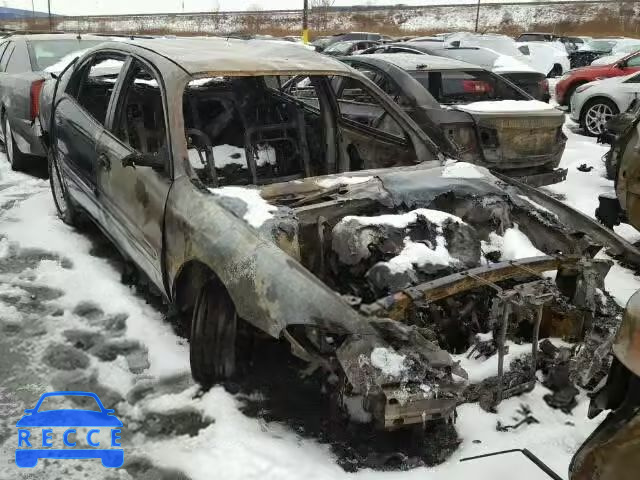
x=593, y=104
x=549, y=58
x=545, y=58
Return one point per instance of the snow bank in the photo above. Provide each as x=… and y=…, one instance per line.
x=388, y=362
x=506, y=106
x=258, y=209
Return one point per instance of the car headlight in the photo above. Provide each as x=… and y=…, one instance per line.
x=582, y=88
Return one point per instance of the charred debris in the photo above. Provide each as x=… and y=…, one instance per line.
x=435, y=265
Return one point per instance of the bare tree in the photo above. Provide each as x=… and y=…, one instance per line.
x=320, y=12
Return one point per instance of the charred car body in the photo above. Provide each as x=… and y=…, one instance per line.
x=493, y=123
x=232, y=196
x=623, y=167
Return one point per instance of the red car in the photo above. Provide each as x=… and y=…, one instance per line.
x=574, y=78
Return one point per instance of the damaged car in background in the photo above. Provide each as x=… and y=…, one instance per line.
x=373, y=257
x=493, y=123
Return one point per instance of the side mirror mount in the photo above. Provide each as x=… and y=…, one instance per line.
x=621, y=64
x=138, y=159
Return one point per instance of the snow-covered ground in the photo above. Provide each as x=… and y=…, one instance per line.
x=67, y=322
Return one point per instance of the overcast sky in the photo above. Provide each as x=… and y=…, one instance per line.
x=96, y=7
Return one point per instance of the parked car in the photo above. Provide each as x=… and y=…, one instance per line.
x=597, y=48
x=549, y=58
x=349, y=47
x=321, y=43
x=594, y=104
x=24, y=60
x=255, y=202
x=496, y=124
x=519, y=73
x=571, y=80
x=569, y=43
x=618, y=52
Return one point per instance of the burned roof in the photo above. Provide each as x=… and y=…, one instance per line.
x=240, y=57
x=410, y=61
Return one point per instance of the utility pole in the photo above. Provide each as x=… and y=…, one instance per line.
x=305, y=22
x=477, y=16
x=33, y=9
x=50, y=19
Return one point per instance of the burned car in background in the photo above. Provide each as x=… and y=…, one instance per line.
x=256, y=212
x=622, y=162
x=493, y=123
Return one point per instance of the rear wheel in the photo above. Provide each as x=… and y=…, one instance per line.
x=213, y=340
x=17, y=159
x=595, y=115
x=65, y=208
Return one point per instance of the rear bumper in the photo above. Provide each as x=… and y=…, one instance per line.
x=27, y=136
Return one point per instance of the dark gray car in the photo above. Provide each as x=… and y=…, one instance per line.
x=534, y=83
x=493, y=122
x=26, y=61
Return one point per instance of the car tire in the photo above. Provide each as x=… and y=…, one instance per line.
x=67, y=212
x=16, y=158
x=213, y=337
x=595, y=114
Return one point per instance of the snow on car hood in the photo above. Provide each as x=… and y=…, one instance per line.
x=507, y=106
x=608, y=59
x=505, y=63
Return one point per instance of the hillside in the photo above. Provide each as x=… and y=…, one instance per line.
x=587, y=18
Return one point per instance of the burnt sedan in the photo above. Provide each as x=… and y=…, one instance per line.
x=265, y=208
x=494, y=123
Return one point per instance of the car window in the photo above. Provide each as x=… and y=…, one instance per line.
x=46, y=53
x=634, y=79
x=384, y=82
x=456, y=86
x=3, y=47
x=634, y=61
x=139, y=120
x=5, y=56
x=92, y=84
x=254, y=130
x=357, y=104
x=19, y=60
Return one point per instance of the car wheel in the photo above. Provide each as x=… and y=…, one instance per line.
x=595, y=115
x=17, y=159
x=65, y=208
x=213, y=336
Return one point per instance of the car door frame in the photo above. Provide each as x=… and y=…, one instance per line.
x=153, y=265
x=84, y=193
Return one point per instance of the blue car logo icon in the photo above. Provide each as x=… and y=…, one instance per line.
x=27, y=456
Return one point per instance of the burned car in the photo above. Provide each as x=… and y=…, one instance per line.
x=256, y=212
x=622, y=163
x=494, y=123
